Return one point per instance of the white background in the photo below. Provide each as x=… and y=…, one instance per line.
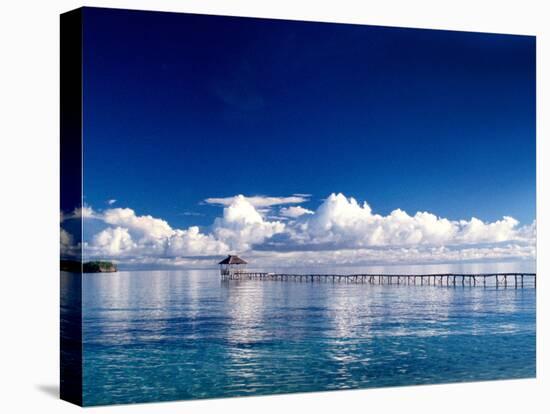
x=29, y=208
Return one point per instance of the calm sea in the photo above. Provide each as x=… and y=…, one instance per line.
x=166, y=335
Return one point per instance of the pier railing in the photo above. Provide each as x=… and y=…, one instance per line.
x=516, y=280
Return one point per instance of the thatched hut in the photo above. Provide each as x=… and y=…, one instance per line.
x=231, y=266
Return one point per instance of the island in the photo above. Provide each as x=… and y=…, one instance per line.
x=99, y=267
x=88, y=267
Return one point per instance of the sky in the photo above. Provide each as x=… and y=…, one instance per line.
x=207, y=135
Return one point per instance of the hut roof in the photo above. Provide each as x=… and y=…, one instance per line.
x=231, y=260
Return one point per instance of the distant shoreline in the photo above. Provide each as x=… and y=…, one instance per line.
x=88, y=267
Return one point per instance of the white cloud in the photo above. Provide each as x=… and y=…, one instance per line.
x=65, y=238
x=342, y=222
x=84, y=212
x=346, y=231
x=67, y=246
x=476, y=231
x=294, y=211
x=192, y=242
x=394, y=256
x=242, y=225
x=260, y=201
x=528, y=232
x=147, y=227
x=77, y=213
x=191, y=213
x=111, y=201
x=113, y=241
x=130, y=235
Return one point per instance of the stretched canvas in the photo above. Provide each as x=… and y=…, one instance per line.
x=256, y=206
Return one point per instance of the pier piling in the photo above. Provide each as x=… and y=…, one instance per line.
x=497, y=280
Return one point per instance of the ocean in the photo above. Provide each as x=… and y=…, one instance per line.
x=185, y=334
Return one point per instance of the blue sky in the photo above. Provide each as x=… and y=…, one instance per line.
x=181, y=108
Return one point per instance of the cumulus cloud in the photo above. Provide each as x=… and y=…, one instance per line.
x=65, y=238
x=132, y=235
x=114, y=241
x=345, y=230
x=77, y=213
x=260, y=201
x=111, y=201
x=342, y=222
x=294, y=211
x=476, y=231
x=147, y=227
x=243, y=226
x=192, y=242
x=67, y=246
x=240, y=227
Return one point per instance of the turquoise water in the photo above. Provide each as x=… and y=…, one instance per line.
x=167, y=335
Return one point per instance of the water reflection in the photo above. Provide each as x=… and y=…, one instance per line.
x=246, y=311
x=71, y=337
x=186, y=334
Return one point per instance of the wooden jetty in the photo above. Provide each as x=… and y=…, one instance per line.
x=504, y=280
x=232, y=268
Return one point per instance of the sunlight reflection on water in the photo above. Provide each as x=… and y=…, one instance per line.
x=185, y=334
